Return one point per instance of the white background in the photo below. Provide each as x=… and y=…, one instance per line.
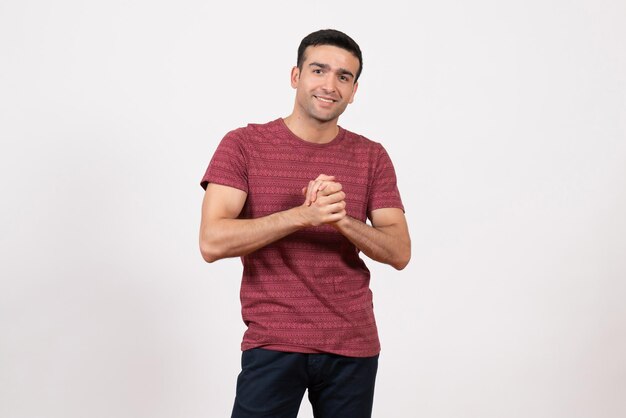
x=506, y=122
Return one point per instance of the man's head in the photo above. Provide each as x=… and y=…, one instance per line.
x=325, y=79
x=330, y=37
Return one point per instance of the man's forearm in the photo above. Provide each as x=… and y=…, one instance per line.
x=237, y=237
x=223, y=234
x=383, y=244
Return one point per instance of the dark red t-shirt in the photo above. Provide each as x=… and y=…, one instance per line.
x=309, y=291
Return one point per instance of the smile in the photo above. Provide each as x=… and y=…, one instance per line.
x=325, y=100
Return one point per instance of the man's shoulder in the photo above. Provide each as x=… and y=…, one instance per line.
x=354, y=138
x=255, y=130
x=255, y=127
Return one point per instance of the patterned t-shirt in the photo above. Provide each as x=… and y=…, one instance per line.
x=309, y=291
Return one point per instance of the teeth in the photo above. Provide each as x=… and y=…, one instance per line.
x=325, y=100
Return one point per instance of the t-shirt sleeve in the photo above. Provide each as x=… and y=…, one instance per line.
x=228, y=166
x=384, y=191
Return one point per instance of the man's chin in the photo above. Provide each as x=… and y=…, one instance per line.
x=325, y=117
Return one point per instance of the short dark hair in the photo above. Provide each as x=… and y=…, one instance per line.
x=330, y=37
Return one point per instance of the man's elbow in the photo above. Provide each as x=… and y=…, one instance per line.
x=401, y=263
x=403, y=259
x=210, y=252
x=208, y=256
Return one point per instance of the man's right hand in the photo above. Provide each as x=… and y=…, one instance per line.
x=324, y=201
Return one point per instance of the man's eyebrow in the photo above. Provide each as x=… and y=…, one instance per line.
x=317, y=64
x=341, y=71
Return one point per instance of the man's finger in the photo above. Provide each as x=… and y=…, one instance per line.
x=314, y=189
x=330, y=187
x=307, y=193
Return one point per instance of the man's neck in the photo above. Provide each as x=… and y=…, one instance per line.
x=312, y=130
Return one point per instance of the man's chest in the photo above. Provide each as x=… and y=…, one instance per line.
x=275, y=181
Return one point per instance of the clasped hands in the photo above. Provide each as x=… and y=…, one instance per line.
x=324, y=201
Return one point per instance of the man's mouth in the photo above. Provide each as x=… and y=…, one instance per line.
x=325, y=99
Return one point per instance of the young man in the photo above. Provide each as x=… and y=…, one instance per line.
x=291, y=197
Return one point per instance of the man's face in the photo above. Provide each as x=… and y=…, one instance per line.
x=325, y=85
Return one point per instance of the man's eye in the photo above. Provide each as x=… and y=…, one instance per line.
x=317, y=71
x=343, y=78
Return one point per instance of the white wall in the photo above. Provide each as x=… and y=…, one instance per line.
x=507, y=125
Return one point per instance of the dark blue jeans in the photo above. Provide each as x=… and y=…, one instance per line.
x=272, y=383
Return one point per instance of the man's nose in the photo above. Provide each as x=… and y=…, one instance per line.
x=329, y=84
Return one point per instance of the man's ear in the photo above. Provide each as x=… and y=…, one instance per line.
x=295, y=76
x=356, y=86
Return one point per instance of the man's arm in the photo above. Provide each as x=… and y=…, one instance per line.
x=222, y=235
x=386, y=241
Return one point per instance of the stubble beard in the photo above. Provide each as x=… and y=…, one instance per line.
x=323, y=117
